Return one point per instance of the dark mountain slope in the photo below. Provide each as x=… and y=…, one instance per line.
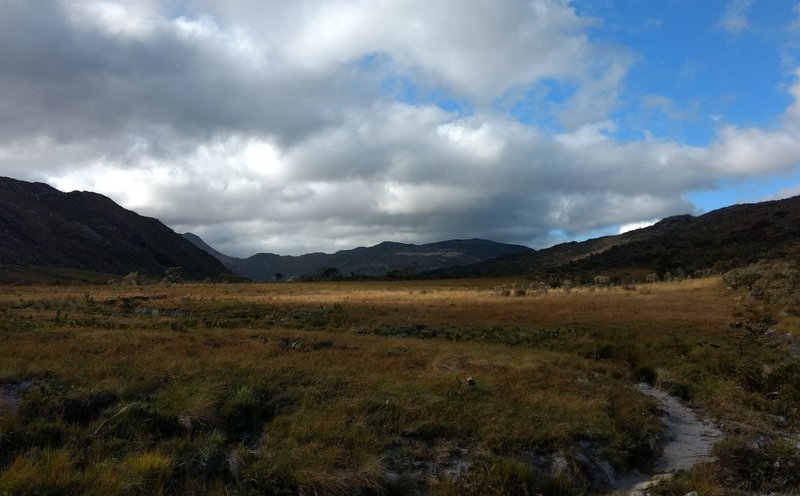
x=198, y=242
x=43, y=227
x=378, y=260
x=718, y=240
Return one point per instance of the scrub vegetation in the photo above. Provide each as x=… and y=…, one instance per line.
x=437, y=387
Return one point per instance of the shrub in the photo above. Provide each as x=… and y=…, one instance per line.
x=762, y=467
x=606, y=351
x=783, y=389
x=644, y=373
x=679, y=390
x=776, y=281
x=742, y=277
x=245, y=411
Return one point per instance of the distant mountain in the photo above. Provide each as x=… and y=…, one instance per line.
x=198, y=242
x=43, y=227
x=386, y=258
x=716, y=241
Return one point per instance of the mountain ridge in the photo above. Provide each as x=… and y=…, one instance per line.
x=386, y=258
x=715, y=241
x=85, y=231
x=44, y=227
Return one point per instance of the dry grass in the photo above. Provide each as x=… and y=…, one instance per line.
x=334, y=387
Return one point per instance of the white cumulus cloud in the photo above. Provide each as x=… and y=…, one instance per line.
x=318, y=125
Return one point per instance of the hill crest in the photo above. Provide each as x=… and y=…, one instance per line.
x=388, y=258
x=44, y=227
x=716, y=241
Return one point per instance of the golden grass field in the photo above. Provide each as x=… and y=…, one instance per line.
x=361, y=387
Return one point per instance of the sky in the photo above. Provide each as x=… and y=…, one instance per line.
x=320, y=125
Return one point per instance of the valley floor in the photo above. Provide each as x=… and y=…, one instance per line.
x=435, y=387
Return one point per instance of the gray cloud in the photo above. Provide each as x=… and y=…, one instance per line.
x=268, y=126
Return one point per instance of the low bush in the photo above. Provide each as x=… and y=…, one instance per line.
x=782, y=387
x=759, y=466
x=644, y=373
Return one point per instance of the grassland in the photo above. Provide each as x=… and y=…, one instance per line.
x=362, y=387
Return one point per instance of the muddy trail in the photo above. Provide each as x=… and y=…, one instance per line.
x=688, y=440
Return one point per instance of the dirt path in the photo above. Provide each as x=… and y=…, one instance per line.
x=688, y=441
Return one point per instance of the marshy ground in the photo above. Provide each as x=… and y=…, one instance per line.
x=361, y=387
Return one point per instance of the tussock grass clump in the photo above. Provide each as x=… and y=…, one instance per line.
x=42, y=472
x=193, y=405
x=501, y=475
x=145, y=472
x=703, y=478
x=759, y=466
x=245, y=411
x=783, y=390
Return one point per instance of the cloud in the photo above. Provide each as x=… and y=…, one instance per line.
x=734, y=21
x=751, y=151
x=278, y=126
x=785, y=193
x=794, y=27
x=669, y=108
x=747, y=152
x=596, y=98
x=636, y=225
x=136, y=21
x=480, y=50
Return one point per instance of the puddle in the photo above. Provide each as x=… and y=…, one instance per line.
x=10, y=395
